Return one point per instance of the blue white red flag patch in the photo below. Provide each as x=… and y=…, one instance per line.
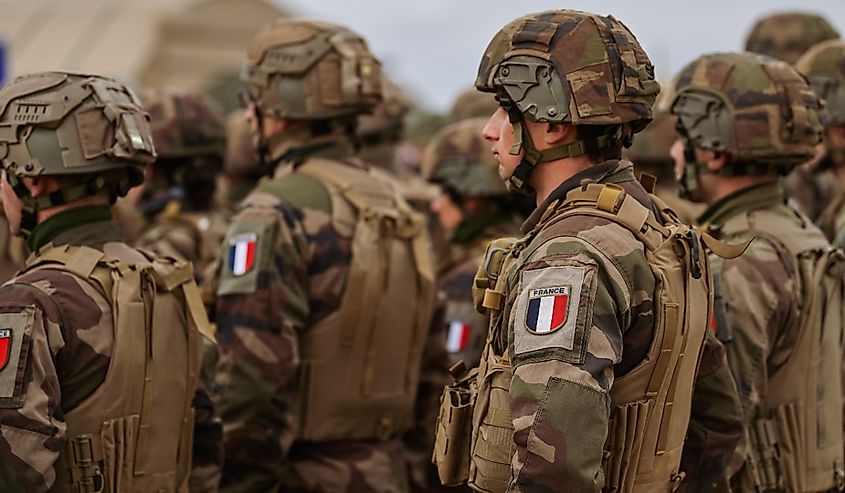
x=547, y=309
x=458, y=336
x=242, y=253
x=550, y=313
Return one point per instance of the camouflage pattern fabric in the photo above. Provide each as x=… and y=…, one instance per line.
x=615, y=315
x=63, y=357
x=300, y=269
x=759, y=289
x=788, y=35
x=13, y=250
x=591, y=53
x=832, y=221
x=184, y=124
x=811, y=191
x=769, y=115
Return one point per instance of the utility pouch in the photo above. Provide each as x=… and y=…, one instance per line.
x=119, y=440
x=484, y=295
x=492, y=439
x=454, y=427
x=624, y=444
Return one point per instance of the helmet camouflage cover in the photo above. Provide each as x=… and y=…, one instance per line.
x=824, y=66
x=758, y=109
x=185, y=124
x=569, y=66
x=788, y=35
x=311, y=70
x=566, y=66
x=458, y=157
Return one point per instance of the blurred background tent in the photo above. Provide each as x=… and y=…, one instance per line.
x=193, y=44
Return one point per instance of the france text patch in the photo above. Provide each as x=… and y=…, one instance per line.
x=547, y=315
x=547, y=309
x=242, y=253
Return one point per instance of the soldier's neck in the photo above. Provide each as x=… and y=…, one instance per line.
x=548, y=176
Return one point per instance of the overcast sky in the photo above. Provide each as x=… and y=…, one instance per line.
x=432, y=47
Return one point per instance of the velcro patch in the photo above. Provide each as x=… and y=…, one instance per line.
x=547, y=311
x=244, y=250
x=14, y=329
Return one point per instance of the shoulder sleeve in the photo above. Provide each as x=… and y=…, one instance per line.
x=33, y=430
x=585, y=290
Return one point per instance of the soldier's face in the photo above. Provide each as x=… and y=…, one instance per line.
x=448, y=213
x=12, y=205
x=499, y=132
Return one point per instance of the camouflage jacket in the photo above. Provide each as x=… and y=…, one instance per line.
x=761, y=302
x=811, y=191
x=300, y=280
x=616, y=319
x=465, y=327
x=63, y=357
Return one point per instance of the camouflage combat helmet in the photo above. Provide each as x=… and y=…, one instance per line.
x=311, y=70
x=59, y=123
x=387, y=121
x=565, y=66
x=459, y=159
x=788, y=35
x=471, y=104
x=757, y=109
x=824, y=66
x=184, y=124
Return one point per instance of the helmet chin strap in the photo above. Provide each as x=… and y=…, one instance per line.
x=690, y=180
x=518, y=181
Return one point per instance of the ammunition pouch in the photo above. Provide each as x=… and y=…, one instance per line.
x=454, y=427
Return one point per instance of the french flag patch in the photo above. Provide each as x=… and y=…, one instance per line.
x=458, y=336
x=242, y=253
x=547, y=309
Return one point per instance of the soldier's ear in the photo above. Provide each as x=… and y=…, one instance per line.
x=559, y=133
x=716, y=160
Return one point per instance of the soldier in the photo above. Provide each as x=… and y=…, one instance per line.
x=824, y=66
x=380, y=132
x=474, y=208
x=787, y=36
x=100, y=345
x=188, y=131
x=13, y=251
x=744, y=120
x=568, y=398
x=327, y=284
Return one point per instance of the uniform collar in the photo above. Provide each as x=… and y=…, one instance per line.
x=615, y=171
x=299, y=145
x=762, y=196
x=88, y=225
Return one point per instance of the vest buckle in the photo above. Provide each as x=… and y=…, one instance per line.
x=86, y=473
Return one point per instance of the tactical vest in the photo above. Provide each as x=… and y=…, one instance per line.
x=650, y=404
x=796, y=439
x=134, y=433
x=361, y=364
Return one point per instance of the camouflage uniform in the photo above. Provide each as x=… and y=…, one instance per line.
x=13, y=251
x=272, y=307
x=458, y=159
x=824, y=66
x=787, y=36
x=772, y=299
x=472, y=104
x=553, y=410
x=62, y=335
